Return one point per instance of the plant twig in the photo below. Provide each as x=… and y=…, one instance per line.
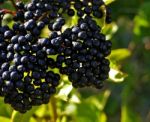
x=43, y=16
x=53, y=108
x=6, y=11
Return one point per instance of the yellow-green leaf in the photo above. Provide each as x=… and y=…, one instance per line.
x=103, y=117
x=108, y=1
x=18, y=117
x=127, y=115
x=116, y=75
x=4, y=119
x=119, y=54
x=64, y=92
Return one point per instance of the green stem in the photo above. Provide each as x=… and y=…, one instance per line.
x=53, y=109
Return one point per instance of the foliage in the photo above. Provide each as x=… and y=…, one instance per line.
x=126, y=94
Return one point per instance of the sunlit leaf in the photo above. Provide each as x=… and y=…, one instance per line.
x=41, y=111
x=18, y=117
x=64, y=119
x=45, y=32
x=141, y=21
x=64, y=92
x=4, y=119
x=119, y=54
x=117, y=76
x=33, y=119
x=101, y=22
x=108, y=1
x=74, y=99
x=109, y=30
x=8, y=20
x=70, y=109
x=103, y=117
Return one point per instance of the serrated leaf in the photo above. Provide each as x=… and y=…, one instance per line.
x=119, y=54
x=117, y=76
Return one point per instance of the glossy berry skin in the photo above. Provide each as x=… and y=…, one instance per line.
x=85, y=59
x=28, y=58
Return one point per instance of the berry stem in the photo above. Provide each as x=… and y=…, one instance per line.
x=53, y=108
x=43, y=16
x=13, y=3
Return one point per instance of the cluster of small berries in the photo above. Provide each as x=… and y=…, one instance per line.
x=83, y=58
x=25, y=78
x=27, y=59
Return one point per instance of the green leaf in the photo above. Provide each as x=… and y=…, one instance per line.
x=18, y=117
x=45, y=32
x=103, y=117
x=127, y=115
x=41, y=111
x=109, y=30
x=100, y=100
x=144, y=11
x=4, y=119
x=119, y=54
x=108, y=1
x=74, y=99
x=141, y=21
x=64, y=92
x=5, y=109
x=87, y=112
x=7, y=5
x=8, y=20
x=91, y=109
x=25, y=1
x=117, y=76
x=33, y=119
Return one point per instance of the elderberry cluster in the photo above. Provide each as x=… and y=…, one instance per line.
x=84, y=54
x=25, y=76
x=27, y=58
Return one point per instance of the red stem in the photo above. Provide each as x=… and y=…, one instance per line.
x=6, y=11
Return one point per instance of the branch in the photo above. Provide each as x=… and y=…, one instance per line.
x=6, y=11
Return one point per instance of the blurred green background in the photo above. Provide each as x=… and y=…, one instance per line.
x=125, y=96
